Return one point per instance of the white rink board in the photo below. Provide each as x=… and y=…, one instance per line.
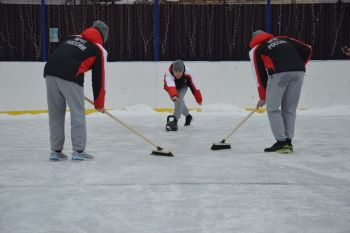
x=133, y=83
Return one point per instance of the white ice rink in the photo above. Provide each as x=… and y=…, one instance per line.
x=127, y=190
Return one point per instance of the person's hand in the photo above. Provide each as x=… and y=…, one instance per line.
x=102, y=110
x=174, y=98
x=260, y=104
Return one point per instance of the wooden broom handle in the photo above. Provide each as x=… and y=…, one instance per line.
x=239, y=125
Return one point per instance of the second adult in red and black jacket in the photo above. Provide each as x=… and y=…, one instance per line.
x=172, y=84
x=270, y=55
x=77, y=55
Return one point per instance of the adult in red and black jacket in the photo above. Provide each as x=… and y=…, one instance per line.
x=64, y=74
x=176, y=81
x=279, y=66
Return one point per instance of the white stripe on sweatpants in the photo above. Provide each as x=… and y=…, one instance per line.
x=60, y=93
x=282, y=97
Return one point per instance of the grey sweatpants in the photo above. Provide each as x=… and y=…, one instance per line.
x=180, y=106
x=60, y=93
x=283, y=90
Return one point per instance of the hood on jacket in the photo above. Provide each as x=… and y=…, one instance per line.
x=260, y=38
x=93, y=35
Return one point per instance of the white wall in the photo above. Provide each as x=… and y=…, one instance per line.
x=130, y=83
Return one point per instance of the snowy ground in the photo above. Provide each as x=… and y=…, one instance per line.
x=127, y=190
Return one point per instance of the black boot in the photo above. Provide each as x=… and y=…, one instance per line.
x=188, y=120
x=289, y=142
x=279, y=145
x=171, y=125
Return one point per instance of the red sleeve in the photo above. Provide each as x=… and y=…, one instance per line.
x=98, y=80
x=171, y=90
x=268, y=63
x=196, y=93
x=198, y=96
x=260, y=76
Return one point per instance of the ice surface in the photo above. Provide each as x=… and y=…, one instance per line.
x=125, y=189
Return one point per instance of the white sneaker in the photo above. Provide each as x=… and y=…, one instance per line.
x=76, y=156
x=57, y=156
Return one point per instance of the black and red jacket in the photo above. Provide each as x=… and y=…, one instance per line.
x=77, y=55
x=270, y=55
x=172, y=84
